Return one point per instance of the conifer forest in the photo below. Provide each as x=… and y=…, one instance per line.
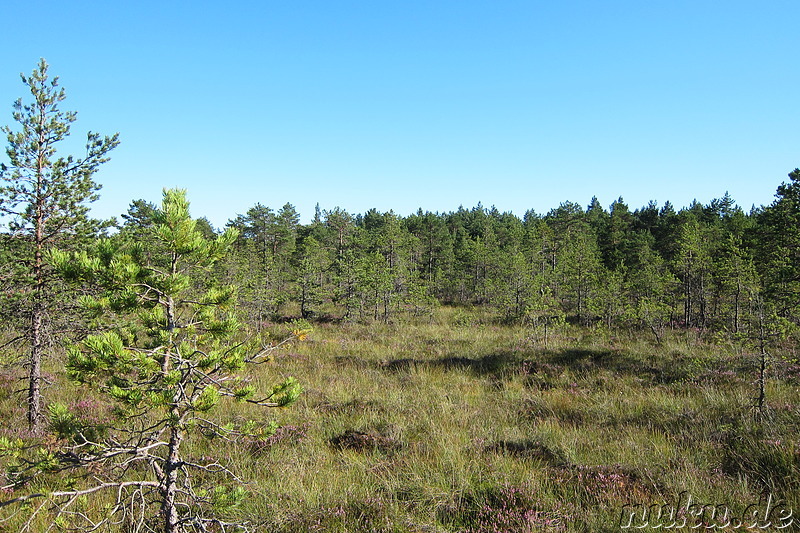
x=464, y=371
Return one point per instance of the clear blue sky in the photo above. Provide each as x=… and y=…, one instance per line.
x=432, y=104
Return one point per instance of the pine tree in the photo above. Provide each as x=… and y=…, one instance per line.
x=513, y=290
x=256, y=251
x=165, y=371
x=616, y=240
x=435, y=257
x=45, y=196
x=735, y=282
x=779, y=248
x=577, y=269
x=692, y=264
x=312, y=263
x=652, y=288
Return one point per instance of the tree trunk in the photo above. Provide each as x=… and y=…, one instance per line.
x=170, y=312
x=736, y=306
x=35, y=369
x=687, y=298
x=37, y=326
x=303, y=310
x=169, y=489
x=762, y=366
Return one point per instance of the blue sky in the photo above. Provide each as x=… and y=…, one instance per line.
x=432, y=104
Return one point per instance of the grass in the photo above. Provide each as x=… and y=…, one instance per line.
x=459, y=425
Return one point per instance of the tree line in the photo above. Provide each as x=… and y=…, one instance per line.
x=702, y=266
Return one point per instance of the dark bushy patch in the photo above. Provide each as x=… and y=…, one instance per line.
x=284, y=435
x=602, y=483
x=364, y=441
x=528, y=449
x=495, y=364
x=502, y=509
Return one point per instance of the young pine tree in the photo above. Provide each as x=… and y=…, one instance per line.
x=165, y=371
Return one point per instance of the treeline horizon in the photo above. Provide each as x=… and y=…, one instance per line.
x=707, y=266
x=319, y=209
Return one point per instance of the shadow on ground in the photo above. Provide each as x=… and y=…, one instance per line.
x=578, y=360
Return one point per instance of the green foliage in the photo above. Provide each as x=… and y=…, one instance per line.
x=227, y=499
x=778, y=245
x=285, y=392
x=62, y=421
